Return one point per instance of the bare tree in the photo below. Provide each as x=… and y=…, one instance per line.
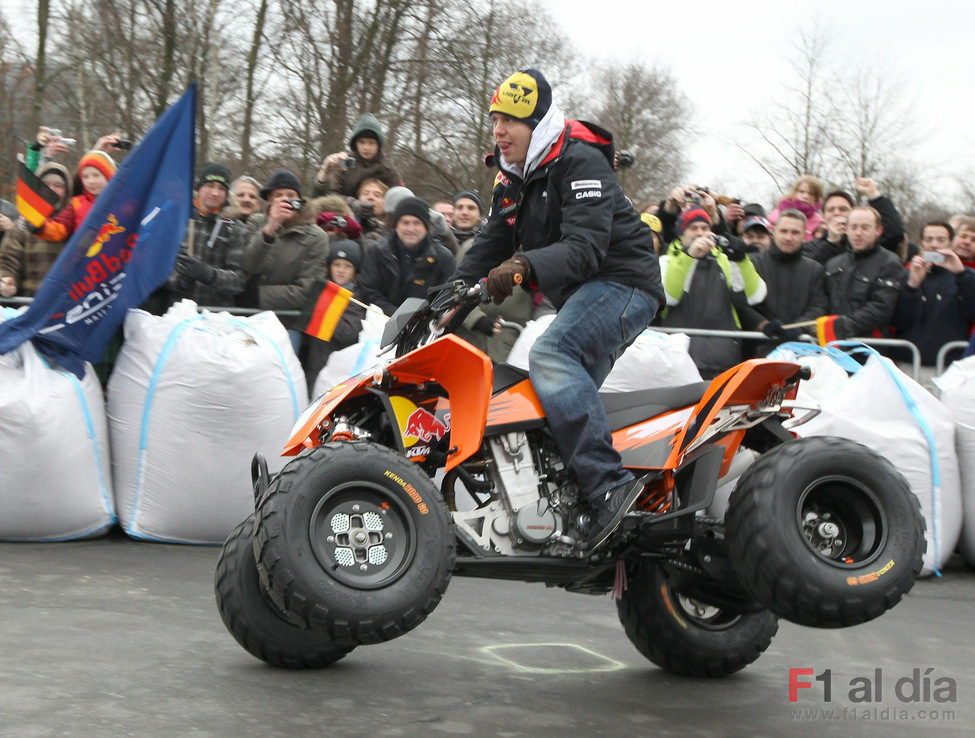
x=645, y=111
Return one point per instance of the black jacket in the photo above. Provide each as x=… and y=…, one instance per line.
x=795, y=284
x=937, y=311
x=822, y=250
x=862, y=287
x=384, y=281
x=571, y=219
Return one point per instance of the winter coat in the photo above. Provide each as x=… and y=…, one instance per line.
x=218, y=241
x=710, y=292
x=862, y=288
x=796, y=290
x=571, y=220
x=385, y=282
x=281, y=268
x=66, y=221
x=936, y=311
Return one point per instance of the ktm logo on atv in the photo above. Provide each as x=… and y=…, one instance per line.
x=424, y=426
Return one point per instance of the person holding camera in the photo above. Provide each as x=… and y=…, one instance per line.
x=710, y=282
x=937, y=300
x=343, y=172
x=286, y=255
x=837, y=206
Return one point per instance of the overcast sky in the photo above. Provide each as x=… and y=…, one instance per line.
x=730, y=57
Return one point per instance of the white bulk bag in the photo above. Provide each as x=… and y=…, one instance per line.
x=191, y=399
x=870, y=409
x=654, y=359
x=957, y=388
x=55, y=466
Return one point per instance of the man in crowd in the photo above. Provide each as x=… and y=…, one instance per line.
x=468, y=219
x=707, y=289
x=862, y=284
x=406, y=262
x=210, y=266
x=963, y=242
x=560, y=223
x=756, y=232
x=287, y=254
x=836, y=210
x=795, y=283
x=937, y=300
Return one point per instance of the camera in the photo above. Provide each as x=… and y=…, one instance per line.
x=296, y=205
x=123, y=143
x=339, y=222
x=624, y=159
x=348, y=163
x=934, y=257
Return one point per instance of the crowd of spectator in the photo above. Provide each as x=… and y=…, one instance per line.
x=725, y=266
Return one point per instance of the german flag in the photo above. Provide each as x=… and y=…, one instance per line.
x=826, y=329
x=35, y=200
x=327, y=311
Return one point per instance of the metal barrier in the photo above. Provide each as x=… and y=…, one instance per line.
x=758, y=336
x=943, y=352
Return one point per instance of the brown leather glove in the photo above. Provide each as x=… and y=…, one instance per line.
x=502, y=279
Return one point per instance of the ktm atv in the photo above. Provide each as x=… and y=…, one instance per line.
x=440, y=463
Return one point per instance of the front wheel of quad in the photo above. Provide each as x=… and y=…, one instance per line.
x=824, y=532
x=257, y=624
x=353, y=540
x=688, y=637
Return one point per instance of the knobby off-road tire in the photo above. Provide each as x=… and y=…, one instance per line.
x=254, y=620
x=687, y=637
x=355, y=541
x=825, y=532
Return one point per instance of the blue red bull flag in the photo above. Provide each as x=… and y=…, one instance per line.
x=124, y=249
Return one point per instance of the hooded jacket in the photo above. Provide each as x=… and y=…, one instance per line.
x=569, y=216
x=862, y=288
x=347, y=180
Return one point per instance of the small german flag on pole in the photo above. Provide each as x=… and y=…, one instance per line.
x=327, y=312
x=35, y=200
x=826, y=329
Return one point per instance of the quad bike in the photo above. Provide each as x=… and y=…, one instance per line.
x=438, y=463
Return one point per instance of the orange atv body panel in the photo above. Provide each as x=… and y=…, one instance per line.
x=463, y=371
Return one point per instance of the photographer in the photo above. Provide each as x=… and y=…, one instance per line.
x=683, y=198
x=937, y=300
x=286, y=255
x=710, y=282
x=343, y=172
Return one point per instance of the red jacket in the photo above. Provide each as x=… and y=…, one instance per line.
x=60, y=226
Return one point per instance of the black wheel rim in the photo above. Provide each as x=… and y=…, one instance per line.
x=362, y=536
x=841, y=521
x=703, y=615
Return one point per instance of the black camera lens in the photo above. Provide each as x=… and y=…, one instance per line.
x=123, y=143
x=296, y=204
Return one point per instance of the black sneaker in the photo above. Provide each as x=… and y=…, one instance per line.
x=611, y=509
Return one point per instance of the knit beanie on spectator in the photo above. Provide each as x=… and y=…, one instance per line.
x=100, y=161
x=394, y=196
x=367, y=125
x=525, y=95
x=346, y=249
x=693, y=216
x=470, y=195
x=281, y=180
x=214, y=172
x=754, y=208
x=413, y=206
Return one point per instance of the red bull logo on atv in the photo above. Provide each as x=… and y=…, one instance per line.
x=425, y=426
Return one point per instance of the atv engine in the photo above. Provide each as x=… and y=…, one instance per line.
x=533, y=507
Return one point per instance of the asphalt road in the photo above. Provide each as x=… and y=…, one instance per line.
x=113, y=637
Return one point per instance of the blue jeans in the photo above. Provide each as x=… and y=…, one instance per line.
x=569, y=362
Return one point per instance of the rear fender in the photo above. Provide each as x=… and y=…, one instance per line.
x=463, y=371
x=756, y=384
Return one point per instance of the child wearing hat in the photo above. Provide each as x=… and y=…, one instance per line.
x=94, y=171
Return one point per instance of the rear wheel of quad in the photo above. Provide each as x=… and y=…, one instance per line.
x=257, y=624
x=825, y=532
x=354, y=540
x=688, y=637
